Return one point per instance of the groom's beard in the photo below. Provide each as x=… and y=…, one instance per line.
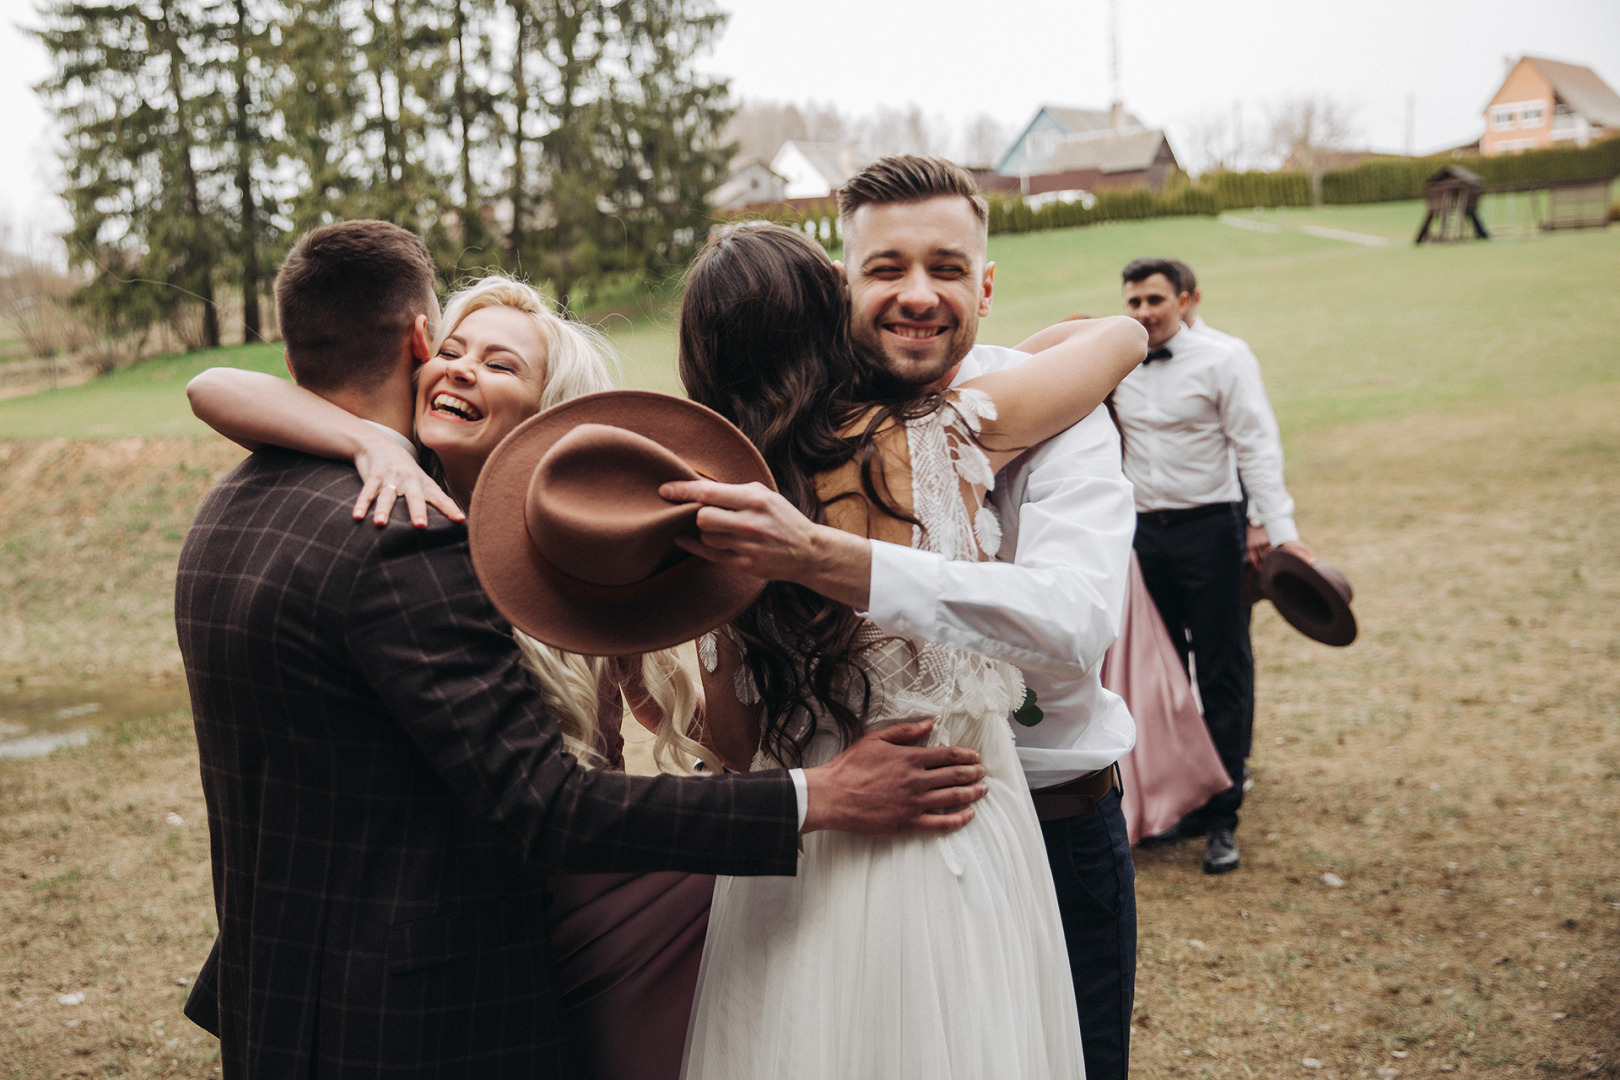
x=904, y=378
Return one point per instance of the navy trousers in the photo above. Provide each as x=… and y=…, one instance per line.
x=1192, y=562
x=1091, y=864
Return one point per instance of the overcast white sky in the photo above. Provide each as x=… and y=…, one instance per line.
x=1181, y=61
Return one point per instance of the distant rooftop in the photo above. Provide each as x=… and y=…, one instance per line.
x=1129, y=151
x=1581, y=88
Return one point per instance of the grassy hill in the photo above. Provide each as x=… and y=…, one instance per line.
x=1346, y=329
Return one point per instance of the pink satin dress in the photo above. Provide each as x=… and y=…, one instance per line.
x=1174, y=768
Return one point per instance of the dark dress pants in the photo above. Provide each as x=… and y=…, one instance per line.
x=1192, y=562
x=1090, y=856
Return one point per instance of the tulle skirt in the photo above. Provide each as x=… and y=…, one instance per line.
x=909, y=957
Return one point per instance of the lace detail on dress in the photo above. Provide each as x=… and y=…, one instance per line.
x=963, y=693
x=950, y=473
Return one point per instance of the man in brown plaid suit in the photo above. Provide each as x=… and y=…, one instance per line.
x=382, y=782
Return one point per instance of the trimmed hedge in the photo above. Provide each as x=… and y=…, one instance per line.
x=1010, y=214
x=1383, y=180
x=1379, y=180
x=1392, y=179
x=1236, y=190
x=818, y=220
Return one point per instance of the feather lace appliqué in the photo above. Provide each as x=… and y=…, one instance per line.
x=944, y=457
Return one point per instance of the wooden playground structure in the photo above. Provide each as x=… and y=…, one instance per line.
x=1454, y=195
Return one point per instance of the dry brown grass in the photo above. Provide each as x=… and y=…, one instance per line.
x=105, y=891
x=89, y=536
x=1458, y=769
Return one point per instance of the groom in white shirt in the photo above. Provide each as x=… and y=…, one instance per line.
x=1051, y=608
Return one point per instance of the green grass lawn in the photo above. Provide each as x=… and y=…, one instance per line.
x=1346, y=331
x=145, y=399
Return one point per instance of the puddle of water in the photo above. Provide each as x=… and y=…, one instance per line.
x=37, y=717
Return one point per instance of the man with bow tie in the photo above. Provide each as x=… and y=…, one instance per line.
x=1198, y=432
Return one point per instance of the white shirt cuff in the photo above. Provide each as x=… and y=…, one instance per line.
x=1281, y=531
x=801, y=792
x=905, y=590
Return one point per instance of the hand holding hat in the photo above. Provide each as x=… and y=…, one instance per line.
x=573, y=542
x=1313, y=596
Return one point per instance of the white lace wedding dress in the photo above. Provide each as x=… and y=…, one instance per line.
x=918, y=956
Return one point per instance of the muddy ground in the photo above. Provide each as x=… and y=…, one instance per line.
x=1429, y=882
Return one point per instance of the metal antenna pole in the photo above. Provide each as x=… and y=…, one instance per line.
x=1113, y=50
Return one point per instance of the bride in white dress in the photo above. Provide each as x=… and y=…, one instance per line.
x=917, y=956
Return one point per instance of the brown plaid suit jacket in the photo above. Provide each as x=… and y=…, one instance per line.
x=382, y=784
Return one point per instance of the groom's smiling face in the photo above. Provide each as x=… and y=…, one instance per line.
x=918, y=286
x=486, y=379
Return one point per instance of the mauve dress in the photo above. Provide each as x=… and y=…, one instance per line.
x=627, y=949
x=1174, y=768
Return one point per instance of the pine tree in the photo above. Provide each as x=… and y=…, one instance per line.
x=139, y=185
x=557, y=236
x=245, y=41
x=320, y=108
x=667, y=128
x=462, y=240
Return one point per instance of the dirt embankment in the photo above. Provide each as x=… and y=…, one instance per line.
x=90, y=533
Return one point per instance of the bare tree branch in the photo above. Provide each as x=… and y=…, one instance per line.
x=1304, y=130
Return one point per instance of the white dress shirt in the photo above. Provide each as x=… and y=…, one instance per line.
x=1052, y=606
x=1197, y=422
x=1242, y=346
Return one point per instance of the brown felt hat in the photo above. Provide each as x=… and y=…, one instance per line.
x=572, y=540
x=1314, y=598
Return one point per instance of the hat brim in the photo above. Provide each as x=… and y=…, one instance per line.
x=1313, y=598
x=682, y=603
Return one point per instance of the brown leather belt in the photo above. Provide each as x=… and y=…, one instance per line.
x=1075, y=798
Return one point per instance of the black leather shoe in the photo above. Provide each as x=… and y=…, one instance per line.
x=1220, y=852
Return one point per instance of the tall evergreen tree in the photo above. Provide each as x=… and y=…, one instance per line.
x=245, y=39
x=139, y=185
x=462, y=239
x=570, y=45
x=319, y=108
x=201, y=133
x=667, y=129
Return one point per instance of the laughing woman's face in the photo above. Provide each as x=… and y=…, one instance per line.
x=485, y=380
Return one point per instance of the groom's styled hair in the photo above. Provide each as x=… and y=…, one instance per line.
x=346, y=296
x=909, y=178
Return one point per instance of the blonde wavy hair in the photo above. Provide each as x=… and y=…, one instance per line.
x=568, y=683
x=580, y=360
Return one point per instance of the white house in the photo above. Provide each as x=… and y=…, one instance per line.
x=751, y=183
x=816, y=170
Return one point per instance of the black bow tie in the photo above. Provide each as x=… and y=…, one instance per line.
x=1161, y=353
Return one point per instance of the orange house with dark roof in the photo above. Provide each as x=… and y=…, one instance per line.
x=1549, y=103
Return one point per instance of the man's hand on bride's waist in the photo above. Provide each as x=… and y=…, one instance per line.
x=886, y=783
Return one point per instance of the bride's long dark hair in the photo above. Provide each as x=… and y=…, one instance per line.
x=764, y=341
